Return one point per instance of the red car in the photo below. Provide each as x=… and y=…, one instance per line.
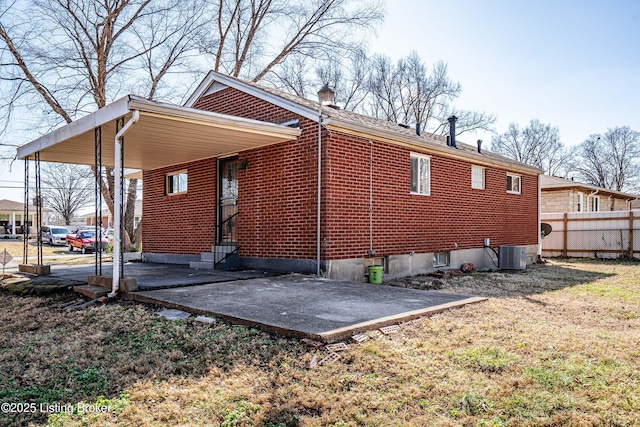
x=85, y=240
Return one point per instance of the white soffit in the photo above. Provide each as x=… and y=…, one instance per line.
x=165, y=135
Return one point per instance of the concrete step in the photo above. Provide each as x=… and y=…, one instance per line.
x=201, y=264
x=224, y=248
x=91, y=291
x=207, y=256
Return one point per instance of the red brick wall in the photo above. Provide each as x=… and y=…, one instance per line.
x=181, y=223
x=105, y=221
x=277, y=192
x=236, y=103
x=277, y=198
x=454, y=213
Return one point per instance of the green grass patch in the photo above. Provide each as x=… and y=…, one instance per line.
x=484, y=359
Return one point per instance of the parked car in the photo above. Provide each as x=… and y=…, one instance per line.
x=85, y=240
x=54, y=235
x=87, y=228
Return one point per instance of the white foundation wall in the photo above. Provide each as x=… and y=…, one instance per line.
x=355, y=269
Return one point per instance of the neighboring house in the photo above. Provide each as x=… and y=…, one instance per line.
x=107, y=218
x=561, y=195
x=12, y=217
x=237, y=167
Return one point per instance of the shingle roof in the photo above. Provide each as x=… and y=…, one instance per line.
x=426, y=139
x=549, y=183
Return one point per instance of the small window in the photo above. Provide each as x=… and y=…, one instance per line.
x=477, y=177
x=441, y=259
x=580, y=202
x=177, y=182
x=513, y=184
x=595, y=204
x=420, y=174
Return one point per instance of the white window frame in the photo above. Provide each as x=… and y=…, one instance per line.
x=510, y=189
x=423, y=187
x=594, y=202
x=580, y=202
x=477, y=172
x=441, y=259
x=169, y=183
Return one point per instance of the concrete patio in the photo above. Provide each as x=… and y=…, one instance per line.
x=306, y=307
x=292, y=305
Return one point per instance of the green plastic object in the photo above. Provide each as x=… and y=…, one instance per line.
x=375, y=274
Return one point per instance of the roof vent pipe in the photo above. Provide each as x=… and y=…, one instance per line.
x=418, y=129
x=480, y=146
x=452, y=130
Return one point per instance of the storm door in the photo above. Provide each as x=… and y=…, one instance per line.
x=228, y=208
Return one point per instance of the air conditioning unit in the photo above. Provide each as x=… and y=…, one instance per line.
x=512, y=257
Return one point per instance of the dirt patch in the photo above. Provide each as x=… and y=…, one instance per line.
x=417, y=282
x=537, y=278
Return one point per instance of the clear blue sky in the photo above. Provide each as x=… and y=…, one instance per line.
x=573, y=64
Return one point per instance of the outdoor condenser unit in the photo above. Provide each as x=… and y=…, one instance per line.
x=512, y=257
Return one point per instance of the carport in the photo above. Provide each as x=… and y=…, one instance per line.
x=157, y=135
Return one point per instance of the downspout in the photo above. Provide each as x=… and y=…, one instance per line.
x=319, y=187
x=539, y=217
x=117, y=201
x=371, y=251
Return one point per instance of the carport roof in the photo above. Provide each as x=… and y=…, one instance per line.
x=165, y=135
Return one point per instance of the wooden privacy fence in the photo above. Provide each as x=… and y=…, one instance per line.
x=610, y=234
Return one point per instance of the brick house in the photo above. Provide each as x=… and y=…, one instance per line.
x=235, y=172
x=561, y=195
x=107, y=219
x=389, y=196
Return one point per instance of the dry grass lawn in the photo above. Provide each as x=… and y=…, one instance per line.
x=557, y=345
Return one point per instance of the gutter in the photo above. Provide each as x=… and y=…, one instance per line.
x=117, y=202
x=367, y=132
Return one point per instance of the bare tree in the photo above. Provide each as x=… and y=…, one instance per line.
x=538, y=145
x=66, y=188
x=252, y=38
x=408, y=92
x=69, y=58
x=611, y=160
x=348, y=78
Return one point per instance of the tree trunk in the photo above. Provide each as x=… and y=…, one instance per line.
x=137, y=235
x=130, y=211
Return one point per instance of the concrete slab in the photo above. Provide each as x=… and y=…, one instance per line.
x=91, y=291
x=205, y=319
x=306, y=307
x=173, y=314
x=157, y=276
